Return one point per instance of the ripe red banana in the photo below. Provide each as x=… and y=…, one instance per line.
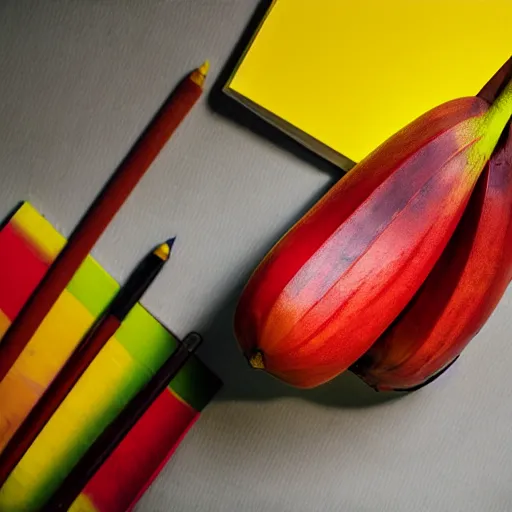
x=332, y=285
x=458, y=296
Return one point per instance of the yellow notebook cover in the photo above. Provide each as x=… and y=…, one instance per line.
x=341, y=76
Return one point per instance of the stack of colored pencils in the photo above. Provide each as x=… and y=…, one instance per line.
x=27, y=322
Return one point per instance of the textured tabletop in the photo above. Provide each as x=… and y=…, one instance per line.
x=79, y=80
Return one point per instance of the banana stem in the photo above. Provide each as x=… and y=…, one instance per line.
x=498, y=115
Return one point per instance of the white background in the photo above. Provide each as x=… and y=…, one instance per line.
x=79, y=80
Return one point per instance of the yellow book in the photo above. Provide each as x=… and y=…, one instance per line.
x=341, y=76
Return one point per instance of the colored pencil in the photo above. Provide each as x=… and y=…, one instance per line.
x=82, y=356
x=99, y=215
x=107, y=441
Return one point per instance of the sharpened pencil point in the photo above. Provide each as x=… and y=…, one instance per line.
x=163, y=251
x=198, y=76
x=205, y=66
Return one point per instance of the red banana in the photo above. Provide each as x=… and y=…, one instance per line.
x=332, y=285
x=458, y=296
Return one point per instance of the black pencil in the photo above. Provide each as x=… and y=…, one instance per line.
x=82, y=357
x=110, y=438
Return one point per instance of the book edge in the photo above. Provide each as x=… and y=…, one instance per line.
x=310, y=142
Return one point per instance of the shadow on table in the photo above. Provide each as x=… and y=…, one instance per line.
x=222, y=354
x=243, y=117
x=10, y=214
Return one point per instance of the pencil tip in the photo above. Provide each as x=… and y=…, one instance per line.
x=163, y=251
x=205, y=66
x=198, y=76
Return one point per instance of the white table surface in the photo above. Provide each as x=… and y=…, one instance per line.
x=78, y=82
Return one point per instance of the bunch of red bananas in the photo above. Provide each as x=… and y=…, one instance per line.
x=399, y=265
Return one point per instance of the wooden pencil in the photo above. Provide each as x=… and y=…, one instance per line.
x=99, y=215
x=108, y=441
x=82, y=357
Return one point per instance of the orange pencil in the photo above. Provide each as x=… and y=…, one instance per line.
x=95, y=221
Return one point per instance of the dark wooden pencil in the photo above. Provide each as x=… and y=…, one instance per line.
x=108, y=441
x=99, y=215
x=82, y=357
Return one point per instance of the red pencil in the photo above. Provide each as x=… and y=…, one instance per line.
x=82, y=357
x=103, y=209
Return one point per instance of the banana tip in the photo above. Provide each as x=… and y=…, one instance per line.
x=256, y=360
